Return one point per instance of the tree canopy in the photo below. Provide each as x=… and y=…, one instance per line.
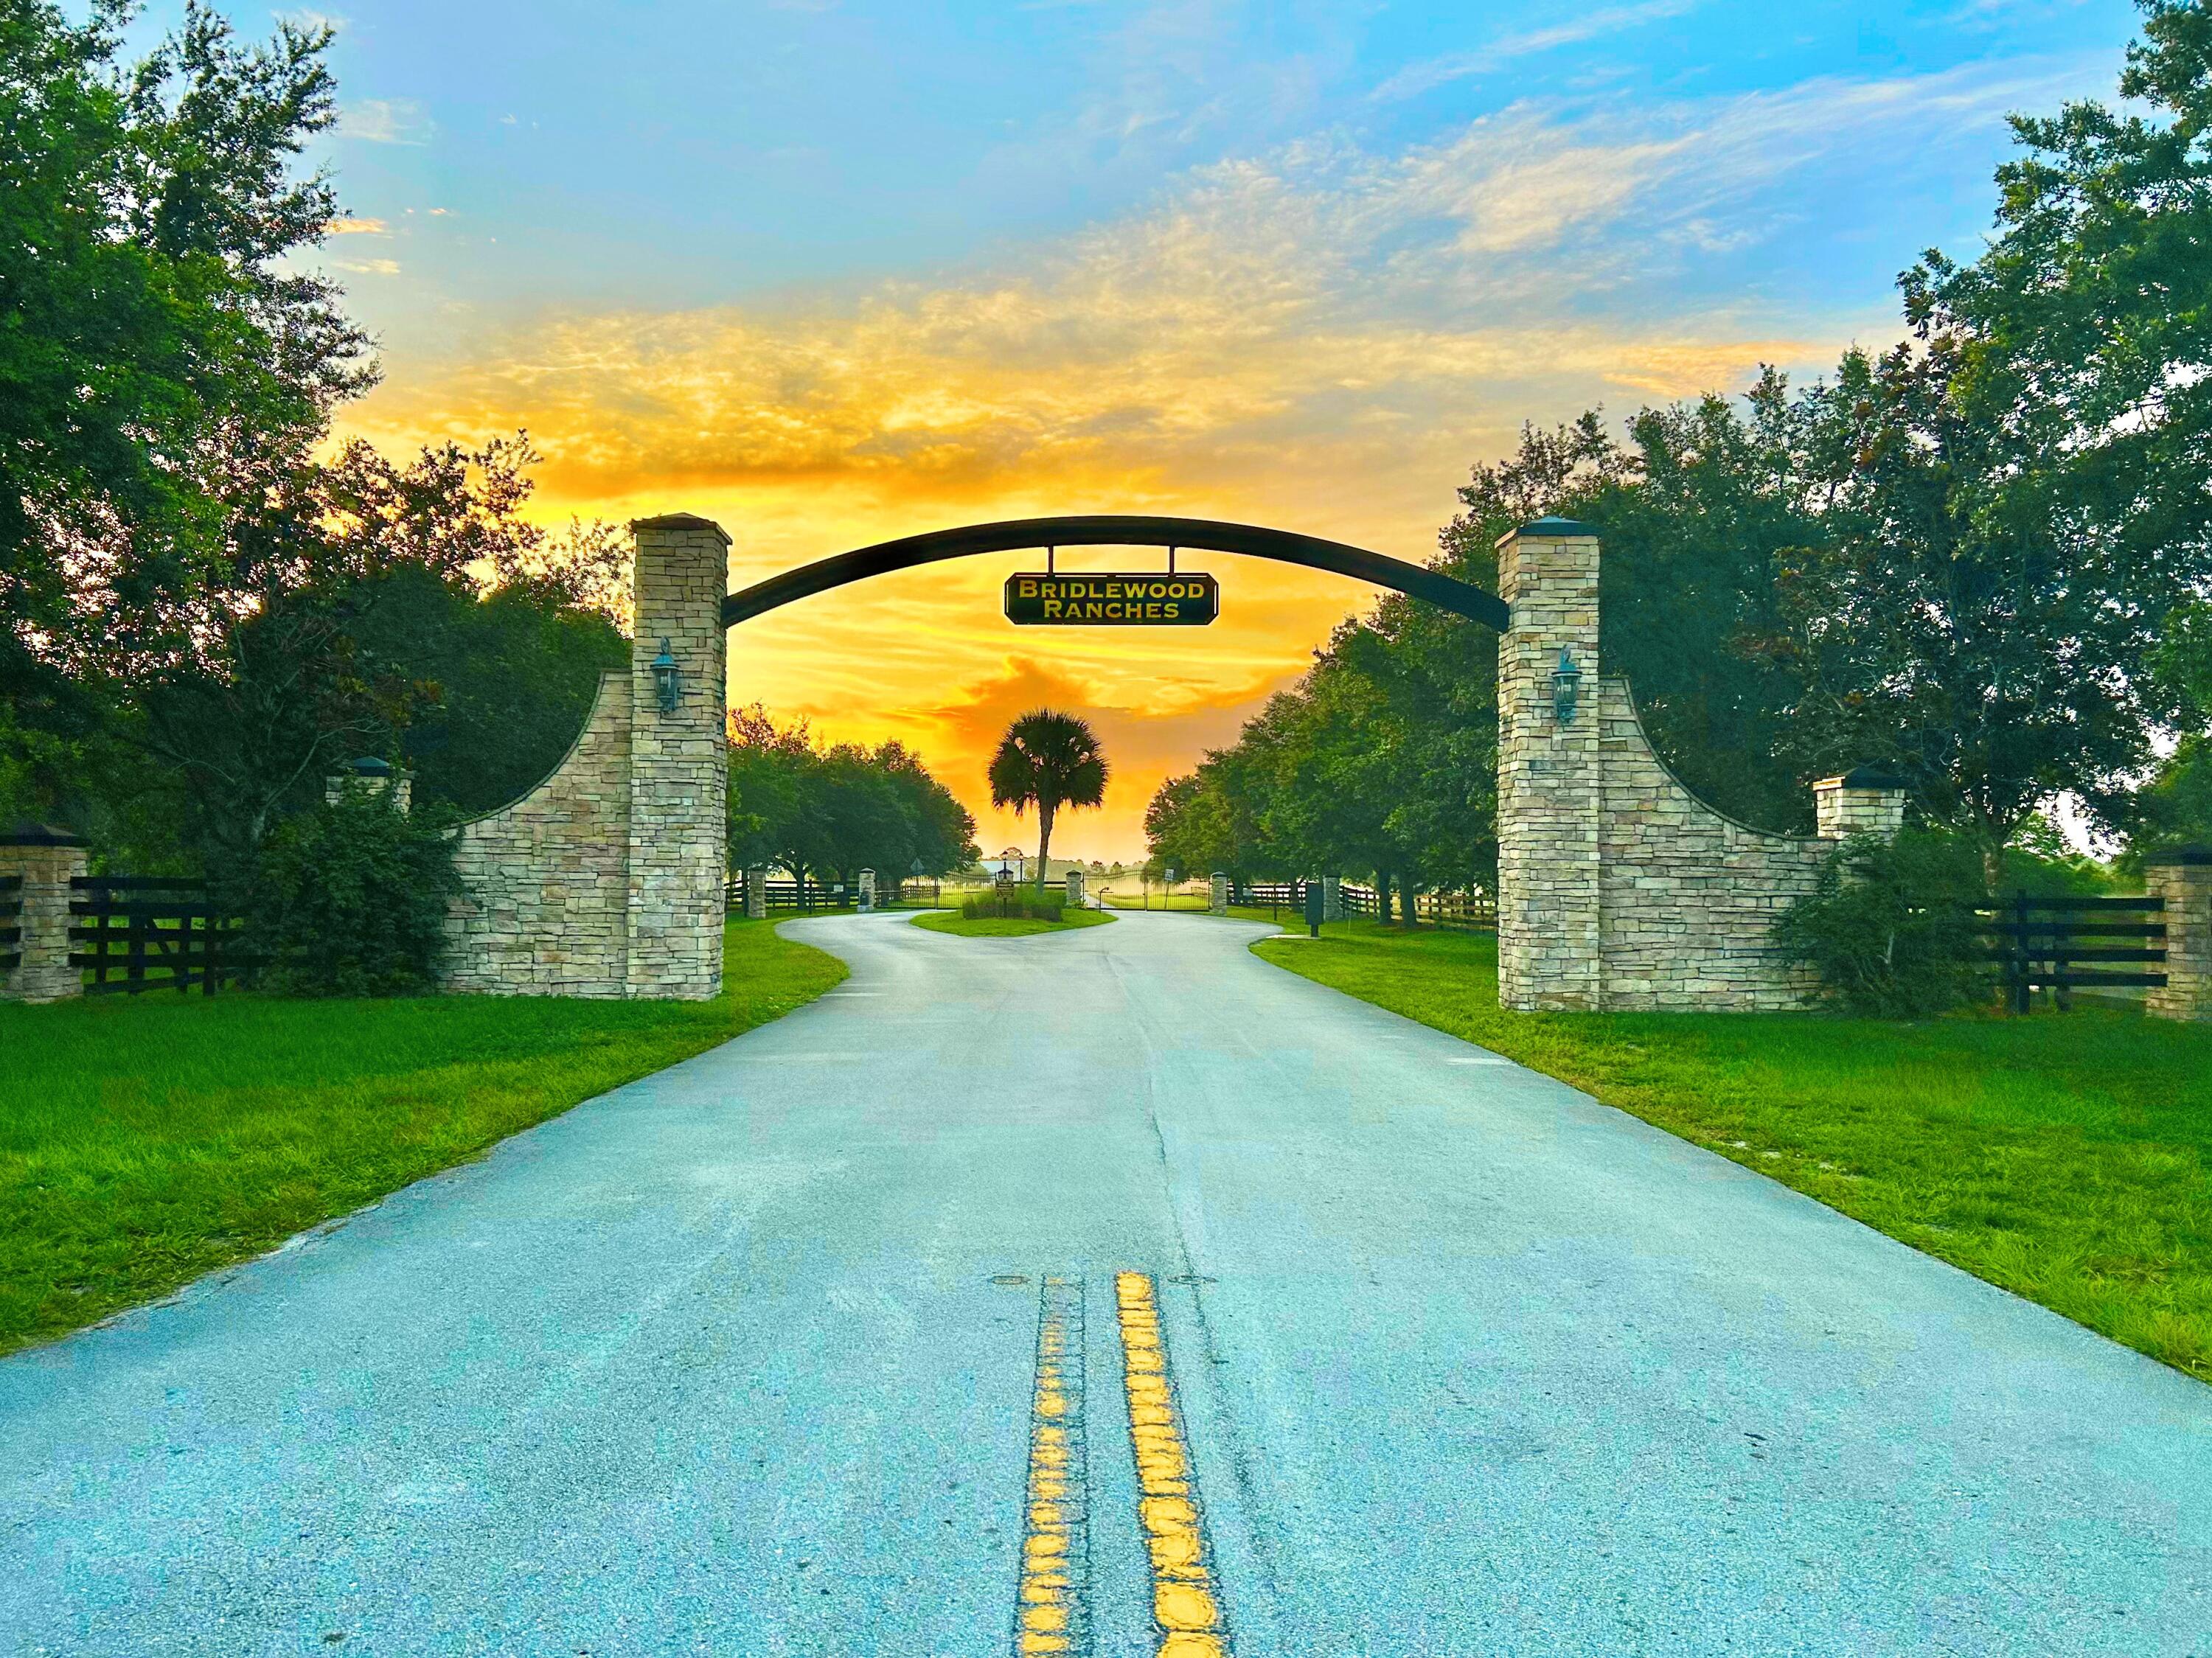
x=830, y=813
x=1977, y=558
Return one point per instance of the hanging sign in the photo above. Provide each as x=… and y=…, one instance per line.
x=1049, y=599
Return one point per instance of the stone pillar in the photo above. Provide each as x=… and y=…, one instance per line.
x=1550, y=792
x=867, y=889
x=372, y=773
x=678, y=763
x=2183, y=878
x=1075, y=888
x=1866, y=801
x=46, y=860
x=1332, y=897
x=757, y=894
x=1217, y=899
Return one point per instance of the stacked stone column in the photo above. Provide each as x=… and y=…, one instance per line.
x=1550, y=792
x=2183, y=879
x=1866, y=801
x=46, y=860
x=678, y=763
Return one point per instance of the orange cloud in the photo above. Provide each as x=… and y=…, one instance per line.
x=1322, y=340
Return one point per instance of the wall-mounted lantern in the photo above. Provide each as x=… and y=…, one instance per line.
x=667, y=679
x=1565, y=679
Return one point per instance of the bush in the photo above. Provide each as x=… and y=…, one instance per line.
x=351, y=900
x=1026, y=903
x=1891, y=929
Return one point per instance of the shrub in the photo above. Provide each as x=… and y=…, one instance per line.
x=351, y=900
x=1891, y=929
x=1024, y=902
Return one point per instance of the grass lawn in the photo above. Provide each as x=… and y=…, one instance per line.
x=2065, y=1156
x=1008, y=926
x=1197, y=901
x=145, y=1141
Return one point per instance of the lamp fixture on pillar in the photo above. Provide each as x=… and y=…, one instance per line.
x=667, y=679
x=1565, y=679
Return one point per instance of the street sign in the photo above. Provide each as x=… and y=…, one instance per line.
x=1049, y=599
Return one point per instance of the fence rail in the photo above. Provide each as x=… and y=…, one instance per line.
x=155, y=932
x=1474, y=911
x=2040, y=943
x=801, y=897
x=11, y=923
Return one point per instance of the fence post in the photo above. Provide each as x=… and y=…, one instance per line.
x=2183, y=880
x=47, y=859
x=2022, y=959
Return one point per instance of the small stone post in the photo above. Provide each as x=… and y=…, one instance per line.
x=1866, y=801
x=1332, y=897
x=756, y=894
x=375, y=775
x=46, y=860
x=1217, y=899
x=867, y=890
x=1550, y=794
x=2183, y=878
x=1075, y=888
x=679, y=761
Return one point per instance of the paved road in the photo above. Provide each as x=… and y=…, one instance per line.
x=809, y=1345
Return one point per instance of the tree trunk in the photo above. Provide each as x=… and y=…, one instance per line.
x=1044, y=842
x=1382, y=897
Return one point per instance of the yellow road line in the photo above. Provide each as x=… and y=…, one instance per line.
x=1186, y=1605
x=1049, y=1608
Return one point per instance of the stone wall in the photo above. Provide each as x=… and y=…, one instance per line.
x=1618, y=888
x=2183, y=880
x=1687, y=898
x=546, y=878
x=48, y=860
x=605, y=880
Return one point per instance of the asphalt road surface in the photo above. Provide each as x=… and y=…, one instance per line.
x=1107, y=1293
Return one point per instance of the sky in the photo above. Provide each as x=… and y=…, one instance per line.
x=830, y=272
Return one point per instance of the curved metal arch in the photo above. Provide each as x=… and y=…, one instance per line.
x=1205, y=535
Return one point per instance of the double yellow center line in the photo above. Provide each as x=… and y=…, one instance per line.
x=1051, y=1608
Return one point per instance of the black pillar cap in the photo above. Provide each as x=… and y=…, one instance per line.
x=1875, y=777
x=2197, y=853
x=28, y=833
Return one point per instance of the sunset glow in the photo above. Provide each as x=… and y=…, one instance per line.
x=830, y=274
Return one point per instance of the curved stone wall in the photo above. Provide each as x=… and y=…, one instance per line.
x=1618, y=888
x=606, y=878
x=547, y=907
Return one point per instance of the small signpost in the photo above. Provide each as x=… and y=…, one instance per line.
x=1315, y=900
x=1048, y=599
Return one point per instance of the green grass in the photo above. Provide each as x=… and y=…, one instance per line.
x=1197, y=901
x=2065, y=1156
x=145, y=1141
x=1006, y=926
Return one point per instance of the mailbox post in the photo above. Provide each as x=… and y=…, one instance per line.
x=1316, y=899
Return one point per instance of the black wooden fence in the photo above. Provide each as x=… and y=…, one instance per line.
x=801, y=897
x=141, y=932
x=11, y=923
x=2060, y=944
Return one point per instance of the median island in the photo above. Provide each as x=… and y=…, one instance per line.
x=1011, y=915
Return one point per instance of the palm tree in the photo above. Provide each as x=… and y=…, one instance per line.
x=1047, y=760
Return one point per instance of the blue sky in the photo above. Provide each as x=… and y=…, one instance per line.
x=832, y=272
